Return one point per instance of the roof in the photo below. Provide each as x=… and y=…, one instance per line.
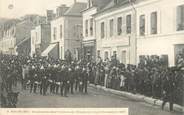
x=100, y=3
x=21, y=42
x=112, y=6
x=75, y=9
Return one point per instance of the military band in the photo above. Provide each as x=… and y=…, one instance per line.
x=44, y=76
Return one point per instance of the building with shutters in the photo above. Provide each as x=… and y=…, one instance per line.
x=16, y=39
x=140, y=28
x=89, y=39
x=115, y=31
x=160, y=29
x=40, y=39
x=66, y=31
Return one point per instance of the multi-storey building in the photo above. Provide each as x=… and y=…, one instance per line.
x=89, y=39
x=40, y=38
x=115, y=31
x=160, y=29
x=142, y=28
x=14, y=38
x=17, y=36
x=65, y=32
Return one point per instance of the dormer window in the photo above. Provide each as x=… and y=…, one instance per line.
x=115, y=1
x=90, y=3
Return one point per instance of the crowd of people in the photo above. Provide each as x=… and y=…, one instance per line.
x=43, y=75
x=152, y=77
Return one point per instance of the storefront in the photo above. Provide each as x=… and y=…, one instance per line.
x=89, y=49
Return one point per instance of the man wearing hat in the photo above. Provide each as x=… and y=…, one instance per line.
x=61, y=75
x=43, y=85
x=31, y=78
x=84, y=80
x=77, y=76
x=71, y=72
x=65, y=81
x=169, y=87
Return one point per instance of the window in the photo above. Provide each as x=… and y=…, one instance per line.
x=102, y=30
x=90, y=4
x=36, y=35
x=115, y=1
x=123, y=60
x=61, y=52
x=55, y=32
x=154, y=23
x=119, y=25
x=142, y=25
x=111, y=27
x=61, y=31
x=32, y=40
x=106, y=55
x=180, y=18
x=91, y=26
x=98, y=53
x=128, y=24
x=115, y=54
x=86, y=28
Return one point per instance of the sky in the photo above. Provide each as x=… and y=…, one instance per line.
x=22, y=7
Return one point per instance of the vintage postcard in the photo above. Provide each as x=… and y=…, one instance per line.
x=98, y=57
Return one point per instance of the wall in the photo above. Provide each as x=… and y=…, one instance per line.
x=56, y=23
x=45, y=36
x=72, y=40
x=119, y=43
x=162, y=43
x=33, y=42
x=87, y=15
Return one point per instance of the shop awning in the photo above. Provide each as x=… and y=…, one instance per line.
x=49, y=48
x=89, y=43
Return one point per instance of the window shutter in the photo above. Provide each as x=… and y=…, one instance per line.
x=153, y=22
x=128, y=23
x=119, y=26
x=123, y=27
x=179, y=15
x=182, y=15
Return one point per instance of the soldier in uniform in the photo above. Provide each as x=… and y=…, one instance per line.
x=168, y=89
x=43, y=86
x=77, y=76
x=36, y=81
x=65, y=81
x=31, y=78
x=53, y=76
x=71, y=78
x=61, y=75
x=84, y=80
x=57, y=83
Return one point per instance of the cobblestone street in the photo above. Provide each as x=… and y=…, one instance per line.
x=94, y=99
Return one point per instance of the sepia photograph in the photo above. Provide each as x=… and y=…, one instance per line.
x=96, y=57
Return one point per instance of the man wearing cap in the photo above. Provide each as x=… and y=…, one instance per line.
x=66, y=81
x=77, y=76
x=71, y=78
x=84, y=80
x=169, y=87
x=61, y=74
x=43, y=84
x=31, y=78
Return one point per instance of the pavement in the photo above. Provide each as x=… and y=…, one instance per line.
x=96, y=98
x=141, y=98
